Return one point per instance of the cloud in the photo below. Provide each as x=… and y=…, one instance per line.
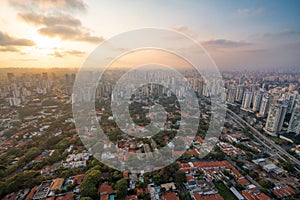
x=186, y=30
x=66, y=5
x=24, y=59
x=50, y=20
x=60, y=25
x=61, y=54
x=70, y=33
x=224, y=43
x=181, y=28
x=6, y=40
x=250, y=11
x=9, y=49
x=12, y=44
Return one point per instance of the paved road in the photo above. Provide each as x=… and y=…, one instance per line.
x=269, y=148
x=266, y=141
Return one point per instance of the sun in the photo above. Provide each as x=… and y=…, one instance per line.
x=43, y=45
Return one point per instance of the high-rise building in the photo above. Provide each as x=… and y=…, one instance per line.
x=45, y=76
x=239, y=93
x=247, y=100
x=257, y=101
x=231, y=93
x=10, y=77
x=294, y=125
x=14, y=101
x=264, y=107
x=291, y=100
x=276, y=117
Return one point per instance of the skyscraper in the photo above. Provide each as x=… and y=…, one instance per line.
x=294, y=125
x=276, y=117
x=291, y=101
x=239, y=93
x=264, y=105
x=231, y=92
x=257, y=101
x=10, y=77
x=247, y=100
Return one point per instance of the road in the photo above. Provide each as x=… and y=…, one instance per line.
x=265, y=140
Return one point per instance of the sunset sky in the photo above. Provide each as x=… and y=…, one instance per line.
x=237, y=34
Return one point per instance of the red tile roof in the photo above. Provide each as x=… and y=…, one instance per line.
x=243, y=181
x=31, y=193
x=139, y=191
x=170, y=196
x=255, y=196
x=192, y=152
x=199, y=139
x=67, y=196
x=217, y=164
x=78, y=178
x=104, y=197
x=132, y=197
x=190, y=178
x=105, y=189
x=207, y=197
x=283, y=192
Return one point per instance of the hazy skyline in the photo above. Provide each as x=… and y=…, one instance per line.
x=61, y=33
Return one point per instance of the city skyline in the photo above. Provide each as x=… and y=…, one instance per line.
x=149, y=100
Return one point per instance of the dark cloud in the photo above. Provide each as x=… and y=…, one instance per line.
x=60, y=25
x=61, y=54
x=224, y=43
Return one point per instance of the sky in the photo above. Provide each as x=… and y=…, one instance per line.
x=254, y=34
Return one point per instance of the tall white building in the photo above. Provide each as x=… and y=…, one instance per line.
x=231, y=92
x=276, y=117
x=247, y=100
x=257, y=101
x=14, y=101
x=294, y=125
x=239, y=93
x=291, y=101
x=264, y=107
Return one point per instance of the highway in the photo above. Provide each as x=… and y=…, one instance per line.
x=265, y=140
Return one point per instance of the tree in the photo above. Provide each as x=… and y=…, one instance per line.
x=32, y=153
x=91, y=181
x=239, y=187
x=180, y=177
x=121, y=188
x=86, y=198
x=264, y=183
x=288, y=166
